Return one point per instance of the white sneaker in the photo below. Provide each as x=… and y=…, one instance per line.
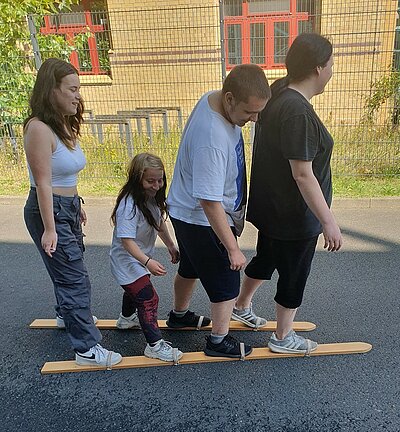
x=248, y=317
x=60, y=321
x=163, y=351
x=124, y=323
x=292, y=343
x=97, y=355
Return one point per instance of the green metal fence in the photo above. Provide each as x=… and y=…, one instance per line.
x=143, y=69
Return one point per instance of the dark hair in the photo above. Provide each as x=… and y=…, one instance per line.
x=307, y=52
x=42, y=102
x=246, y=80
x=133, y=187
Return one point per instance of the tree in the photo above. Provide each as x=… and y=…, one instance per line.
x=16, y=57
x=383, y=89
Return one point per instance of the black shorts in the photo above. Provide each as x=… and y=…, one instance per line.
x=204, y=257
x=291, y=258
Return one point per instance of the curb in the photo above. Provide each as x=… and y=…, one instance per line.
x=338, y=203
x=363, y=203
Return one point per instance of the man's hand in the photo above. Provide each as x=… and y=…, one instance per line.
x=237, y=259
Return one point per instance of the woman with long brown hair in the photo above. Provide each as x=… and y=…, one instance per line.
x=53, y=213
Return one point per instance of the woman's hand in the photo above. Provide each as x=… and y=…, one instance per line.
x=155, y=268
x=332, y=237
x=83, y=217
x=49, y=242
x=174, y=252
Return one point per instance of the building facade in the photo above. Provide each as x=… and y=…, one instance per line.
x=166, y=54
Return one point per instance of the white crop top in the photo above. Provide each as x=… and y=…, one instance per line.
x=65, y=165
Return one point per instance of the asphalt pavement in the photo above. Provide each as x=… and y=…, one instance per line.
x=352, y=295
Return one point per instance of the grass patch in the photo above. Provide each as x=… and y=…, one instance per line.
x=366, y=150
x=365, y=187
x=365, y=163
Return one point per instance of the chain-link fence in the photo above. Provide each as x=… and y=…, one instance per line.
x=144, y=67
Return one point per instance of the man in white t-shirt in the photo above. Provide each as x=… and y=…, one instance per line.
x=206, y=203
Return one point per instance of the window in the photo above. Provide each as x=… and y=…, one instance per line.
x=261, y=31
x=85, y=28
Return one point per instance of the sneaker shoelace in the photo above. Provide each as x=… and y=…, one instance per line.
x=297, y=340
x=189, y=316
x=99, y=352
x=230, y=341
x=249, y=315
x=300, y=341
x=165, y=346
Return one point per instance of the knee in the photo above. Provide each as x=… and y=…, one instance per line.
x=289, y=302
x=148, y=296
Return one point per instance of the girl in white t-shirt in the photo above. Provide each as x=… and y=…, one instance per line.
x=138, y=218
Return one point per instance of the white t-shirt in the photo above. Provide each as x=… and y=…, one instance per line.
x=210, y=165
x=130, y=223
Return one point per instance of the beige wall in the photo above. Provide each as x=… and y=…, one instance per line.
x=161, y=56
x=363, y=52
x=168, y=53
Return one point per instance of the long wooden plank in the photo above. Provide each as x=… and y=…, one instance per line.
x=200, y=357
x=234, y=325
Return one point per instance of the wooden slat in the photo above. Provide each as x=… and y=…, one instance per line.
x=234, y=325
x=200, y=357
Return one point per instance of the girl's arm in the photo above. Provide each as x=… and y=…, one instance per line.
x=154, y=267
x=169, y=243
x=311, y=192
x=39, y=145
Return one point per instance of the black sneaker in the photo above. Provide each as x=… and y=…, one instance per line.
x=229, y=347
x=190, y=319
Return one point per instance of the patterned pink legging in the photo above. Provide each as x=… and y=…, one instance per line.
x=141, y=296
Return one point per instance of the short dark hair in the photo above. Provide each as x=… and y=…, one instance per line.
x=246, y=80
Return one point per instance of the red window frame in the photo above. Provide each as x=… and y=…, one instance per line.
x=268, y=19
x=71, y=30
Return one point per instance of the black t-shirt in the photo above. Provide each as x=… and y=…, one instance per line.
x=288, y=128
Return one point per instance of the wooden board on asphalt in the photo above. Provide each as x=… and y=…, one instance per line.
x=200, y=357
x=234, y=325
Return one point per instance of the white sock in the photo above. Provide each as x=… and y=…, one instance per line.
x=217, y=338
